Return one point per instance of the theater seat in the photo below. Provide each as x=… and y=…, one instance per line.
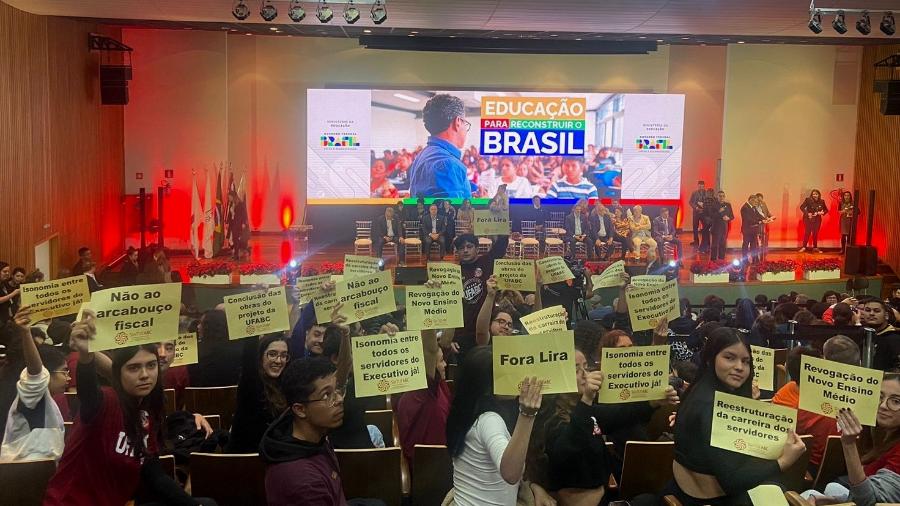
x=170, y=404
x=232, y=480
x=373, y=473
x=432, y=475
x=23, y=483
x=793, y=478
x=384, y=420
x=832, y=465
x=647, y=468
x=212, y=401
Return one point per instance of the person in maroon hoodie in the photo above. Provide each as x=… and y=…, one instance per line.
x=302, y=467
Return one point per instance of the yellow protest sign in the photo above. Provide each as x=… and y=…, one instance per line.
x=639, y=373
x=323, y=304
x=185, y=350
x=647, y=305
x=386, y=364
x=826, y=387
x=133, y=315
x=549, y=357
x=490, y=223
x=57, y=297
x=611, y=276
x=645, y=280
x=445, y=272
x=256, y=313
x=553, y=270
x=311, y=286
x=764, y=367
x=767, y=495
x=366, y=296
x=551, y=319
x=356, y=265
x=750, y=427
x=515, y=274
x=428, y=308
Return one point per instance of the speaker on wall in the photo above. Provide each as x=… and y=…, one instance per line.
x=861, y=260
x=890, y=99
x=114, y=84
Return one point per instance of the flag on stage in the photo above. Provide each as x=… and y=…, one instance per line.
x=231, y=196
x=196, y=217
x=208, y=220
x=219, y=233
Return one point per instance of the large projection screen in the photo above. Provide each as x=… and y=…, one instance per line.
x=362, y=142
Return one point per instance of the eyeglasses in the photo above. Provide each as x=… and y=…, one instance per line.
x=274, y=355
x=892, y=402
x=65, y=372
x=503, y=323
x=468, y=125
x=330, y=399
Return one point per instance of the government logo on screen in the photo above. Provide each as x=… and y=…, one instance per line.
x=339, y=141
x=533, y=126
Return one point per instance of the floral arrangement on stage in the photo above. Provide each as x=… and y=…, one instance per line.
x=257, y=268
x=219, y=272
x=209, y=269
x=323, y=268
x=775, y=270
x=822, y=268
x=711, y=271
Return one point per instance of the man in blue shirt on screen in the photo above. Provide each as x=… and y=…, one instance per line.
x=438, y=171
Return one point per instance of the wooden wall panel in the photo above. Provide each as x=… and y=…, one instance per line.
x=877, y=163
x=61, y=152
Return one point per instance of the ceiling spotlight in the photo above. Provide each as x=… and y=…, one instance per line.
x=296, y=12
x=815, y=22
x=324, y=12
x=863, y=24
x=240, y=10
x=888, y=27
x=379, y=12
x=351, y=13
x=267, y=10
x=839, y=24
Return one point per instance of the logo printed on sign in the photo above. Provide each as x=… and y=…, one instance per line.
x=654, y=143
x=740, y=444
x=339, y=141
x=827, y=408
x=383, y=385
x=625, y=394
x=250, y=329
x=429, y=322
x=121, y=338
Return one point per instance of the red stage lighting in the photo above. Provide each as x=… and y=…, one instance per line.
x=287, y=215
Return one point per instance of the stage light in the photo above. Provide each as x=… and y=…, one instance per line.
x=268, y=11
x=864, y=24
x=296, y=12
x=241, y=10
x=351, y=13
x=736, y=262
x=888, y=27
x=381, y=264
x=672, y=263
x=840, y=23
x=815, y=22
x=324, y=12
x=293, y=263
x=379, y=12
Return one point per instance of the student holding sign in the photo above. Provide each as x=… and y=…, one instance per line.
x=476, y=269
x=705, y=474
x=488, y=463
x=493, y=321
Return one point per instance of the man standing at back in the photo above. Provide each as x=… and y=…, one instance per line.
x=438, y=171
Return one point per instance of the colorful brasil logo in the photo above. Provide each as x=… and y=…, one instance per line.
x=653, y=143
x=339, y=141
x=529, y=126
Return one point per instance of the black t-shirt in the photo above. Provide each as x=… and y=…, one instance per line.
x=474, y=276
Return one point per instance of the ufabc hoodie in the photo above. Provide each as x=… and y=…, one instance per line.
x=299, y=472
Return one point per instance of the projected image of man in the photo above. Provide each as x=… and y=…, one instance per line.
x=438, y=171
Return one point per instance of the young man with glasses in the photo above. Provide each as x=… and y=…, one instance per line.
x=438, y=170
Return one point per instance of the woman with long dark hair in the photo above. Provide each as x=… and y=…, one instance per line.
x=705, y=474
x=848, y=213
x=488, y=462
x=114, y=444
x=813, y=208
x=7, y=294
x=259, y=397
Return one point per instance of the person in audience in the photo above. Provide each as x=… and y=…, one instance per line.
x=14, y=282
x=307, y=336
x=704, y=474
x=113, y=448
x=874, y=314
x=437, y=171
x=664, y=232
x=577, y=229
x=744, y=314
x=831, y=297
x=517, y=186
x=494, y=320
x=6, y=295
x=751, y=221
x=613, y=339
x=387, y=229
x=302, y=466
x=432, y=230
x=84, y=254
x=476, y=269
x=641, y=233
x=573, y=184
x=722, y=215
x=813, y=208
x=35, y=276
x=217, y=355
x=696, y=203
x=176, y=378
x=874, y=464
x=763, y=330
x=577, y=460
x=130, y=267
x=842, y=315
x=259, y=397
x=89, y=270
x=34, y=425
x=621, y=230
x=488, y=462
x=601, y=231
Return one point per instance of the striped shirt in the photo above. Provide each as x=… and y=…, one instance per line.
x=563, y=189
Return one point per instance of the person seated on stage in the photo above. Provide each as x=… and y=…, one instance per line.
x=387, y=229
x=621, y=230
x=641, y=233
x=664, y=232
x=432, y=230
x=578, y=230
x=602, y=231
x=573, y=184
